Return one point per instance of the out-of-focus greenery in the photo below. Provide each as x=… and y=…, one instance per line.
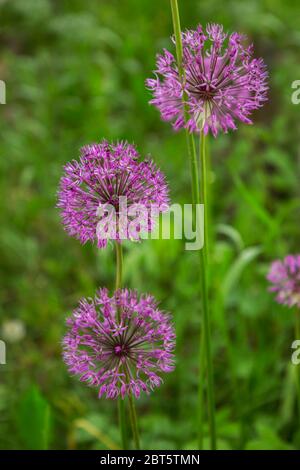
x=75, y=72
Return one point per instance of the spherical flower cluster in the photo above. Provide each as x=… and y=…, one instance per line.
x=220, y=82
x=285, y=279
x=110, y=194
x=119, y=344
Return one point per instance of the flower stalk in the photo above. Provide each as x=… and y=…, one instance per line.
x=199, y=197
x=205, y=302
x=133, y=420
x=121, y=402
x=122, y=415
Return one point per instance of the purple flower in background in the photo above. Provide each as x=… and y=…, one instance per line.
x=221, y=82
x=119, y=344
x=285, y=279
x=109, y=194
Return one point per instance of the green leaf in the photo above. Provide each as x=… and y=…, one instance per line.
x=267, y=439
x=33, y=421
x=255, y=205
x=237, y=268
x=232, y=234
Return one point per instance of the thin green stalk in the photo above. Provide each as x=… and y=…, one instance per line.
x=210, y=232
x=177, y=33
x=132, y=412
x=205, y=303
x=121, y=402
x=122, y=423
x=197, y=199
x=204, y=192
x=200, y=414
x=119, y=269
x=133, y=420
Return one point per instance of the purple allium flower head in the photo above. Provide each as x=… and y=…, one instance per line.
x=285, y=279
x=109, y=193
x=119, y=344
x=221, y=82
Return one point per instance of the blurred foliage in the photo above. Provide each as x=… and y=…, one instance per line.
x=75, y=73
x=33, y=420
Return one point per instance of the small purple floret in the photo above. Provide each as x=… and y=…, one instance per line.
x=285, y=279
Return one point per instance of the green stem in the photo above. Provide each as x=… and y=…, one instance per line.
x=132, y=412
x=201, y=394
x=205, y=342
x=205, y=303
x=204, y=193
x=119, y=269
x=122, y=423
x=177, y=33
x=121, y=402
x=133, y=420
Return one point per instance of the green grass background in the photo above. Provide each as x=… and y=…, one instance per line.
x=75, y=72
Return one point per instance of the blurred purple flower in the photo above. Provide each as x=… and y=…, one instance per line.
x=285, y=279
x=119, y=344
x=105, y=176
x=222, y=83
